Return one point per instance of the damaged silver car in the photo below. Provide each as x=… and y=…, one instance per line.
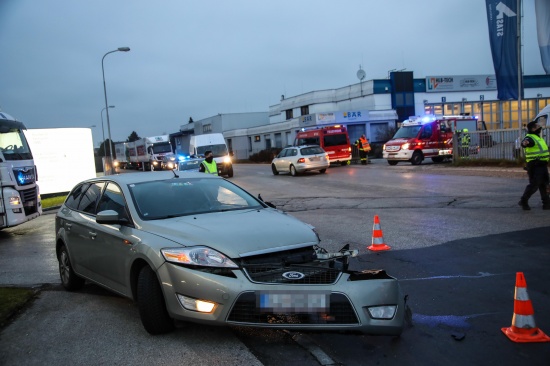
x=198, y=248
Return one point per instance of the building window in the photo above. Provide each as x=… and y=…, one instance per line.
x=267, y=139
x=304, y=110
x=207, y=128
x=257, y=138
x=289, y=114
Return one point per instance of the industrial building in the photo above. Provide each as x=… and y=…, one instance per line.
x=374, y=107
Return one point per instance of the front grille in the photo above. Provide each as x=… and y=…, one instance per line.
x=392, y=148
x=246, y=310
x=270, y=267
x=313, y=275
x=30, y=200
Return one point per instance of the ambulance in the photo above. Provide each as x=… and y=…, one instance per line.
x=423, y=137
x=333, y=139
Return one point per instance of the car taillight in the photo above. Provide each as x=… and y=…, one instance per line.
x=301, y=160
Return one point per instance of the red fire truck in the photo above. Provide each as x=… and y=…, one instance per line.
x=333, y=139
x=424, y=137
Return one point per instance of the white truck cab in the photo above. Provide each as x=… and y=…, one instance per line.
x=19, y=194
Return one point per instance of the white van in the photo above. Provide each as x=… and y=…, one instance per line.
x=216, y=143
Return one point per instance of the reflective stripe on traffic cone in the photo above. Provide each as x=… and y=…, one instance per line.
x=523, y=327
x=377, y=237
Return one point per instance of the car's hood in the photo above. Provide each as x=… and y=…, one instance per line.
x=235, y=233
x=399, y=141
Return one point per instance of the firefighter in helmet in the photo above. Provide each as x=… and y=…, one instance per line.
x=363, y=145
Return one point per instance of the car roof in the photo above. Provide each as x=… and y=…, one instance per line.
x=302, y=146
x=140, y=177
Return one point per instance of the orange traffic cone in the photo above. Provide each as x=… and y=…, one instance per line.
x=377, y=237
x=523, y=327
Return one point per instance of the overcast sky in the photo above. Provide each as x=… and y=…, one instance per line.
x=200, y=58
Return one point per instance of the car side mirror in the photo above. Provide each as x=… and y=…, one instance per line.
x=108, y=217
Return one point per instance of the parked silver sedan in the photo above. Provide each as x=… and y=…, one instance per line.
x=300, y=159
x=198, y=248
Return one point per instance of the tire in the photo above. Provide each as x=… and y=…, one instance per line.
x=393, y=162
x=322, y=171
x=438, y=159
x=70, y=280
x=293, y=171
x=417, y=158
x=274, y=169
x=151, y=305
x=230, y=172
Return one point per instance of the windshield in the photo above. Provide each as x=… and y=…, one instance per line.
x=189, y=165
x=162, y=147
x=407, y=132
x=181, y=197
x=217, y=150
x=13, y=145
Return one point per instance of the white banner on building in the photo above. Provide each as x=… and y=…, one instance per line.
x=436, y=84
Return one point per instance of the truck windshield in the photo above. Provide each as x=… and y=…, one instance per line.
x=162, y=147
x=217, y=150
x=13, y=145
x=407, y=132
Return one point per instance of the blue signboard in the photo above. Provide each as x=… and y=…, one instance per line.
x=502, y=21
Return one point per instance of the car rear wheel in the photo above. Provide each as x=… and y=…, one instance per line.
x=69, y=279
x=293, y=171
x=322, y=171
x=150, y=300
x=438, y=159
x=392, y=162
x=274, y=169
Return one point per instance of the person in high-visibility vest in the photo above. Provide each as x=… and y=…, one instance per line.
x=536, y=156
x=465, y=143
x=364, y=148
x=208, y=165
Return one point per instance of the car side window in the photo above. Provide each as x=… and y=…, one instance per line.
x=293, y=152
x=74, y=197
x=283, y=153
x=113, y=199
x=89, y=199
x=427, y=133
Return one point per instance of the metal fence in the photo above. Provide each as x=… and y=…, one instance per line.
x=496, y=144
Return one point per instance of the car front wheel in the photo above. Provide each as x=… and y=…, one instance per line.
x=293, y=171
x=69, y=279
x=274, y=169
x=322, y=171
x=417, y=158
x=150, y=300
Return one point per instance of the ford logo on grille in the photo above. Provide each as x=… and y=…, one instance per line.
x=293, y=275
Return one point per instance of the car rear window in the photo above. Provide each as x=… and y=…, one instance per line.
x=313, y=150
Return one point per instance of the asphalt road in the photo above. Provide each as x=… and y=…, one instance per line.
x=457, y=241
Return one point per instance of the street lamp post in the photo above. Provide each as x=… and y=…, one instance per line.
x=121, y=49
x=102, y=130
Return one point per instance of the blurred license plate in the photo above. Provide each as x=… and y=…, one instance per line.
x=315, y=158
x=294, y=302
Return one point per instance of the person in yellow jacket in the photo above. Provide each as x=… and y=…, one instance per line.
x=208, y=165
x=536, y=156
x=364, y=148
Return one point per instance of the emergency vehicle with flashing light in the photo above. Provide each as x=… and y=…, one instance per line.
x=424, y=137
x=333, y=139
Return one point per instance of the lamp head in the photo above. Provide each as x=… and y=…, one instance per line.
x=124, y=49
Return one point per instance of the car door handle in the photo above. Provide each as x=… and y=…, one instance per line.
x=93, y=234
x=68, y=226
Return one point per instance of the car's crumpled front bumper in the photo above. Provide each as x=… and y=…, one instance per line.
x=239, y=302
